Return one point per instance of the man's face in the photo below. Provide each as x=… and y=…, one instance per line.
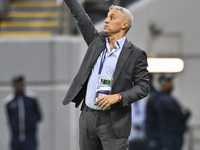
x=168, y=86
x=19, y=87
x=115, y=22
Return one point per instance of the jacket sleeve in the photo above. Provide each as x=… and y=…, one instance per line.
x=141, y=87
x=7, y=112
x=38, y=112
x=83, y=21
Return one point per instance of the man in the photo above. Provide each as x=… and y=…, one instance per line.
x=23, y=114
x=112, y=67
x=172, y=116
x=152, y=119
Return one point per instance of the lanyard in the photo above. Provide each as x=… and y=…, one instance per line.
x=102, y=61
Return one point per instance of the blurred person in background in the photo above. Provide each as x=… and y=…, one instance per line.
x=137, y=136
x=152, y=119
x=23, y=113
x=113, y=75
x=172, y=116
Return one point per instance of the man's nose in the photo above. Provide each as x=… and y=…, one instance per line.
x=106, y=20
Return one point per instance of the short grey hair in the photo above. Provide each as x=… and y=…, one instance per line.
x=125, y=11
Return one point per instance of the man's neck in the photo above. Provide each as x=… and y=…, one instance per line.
x=113, y=39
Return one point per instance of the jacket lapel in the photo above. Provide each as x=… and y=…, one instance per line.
x=125, y=52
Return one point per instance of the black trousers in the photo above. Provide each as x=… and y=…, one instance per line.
x=30, y=143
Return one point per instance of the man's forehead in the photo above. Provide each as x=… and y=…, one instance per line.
x=114, y=12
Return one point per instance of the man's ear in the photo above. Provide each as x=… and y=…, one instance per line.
x=124, y=25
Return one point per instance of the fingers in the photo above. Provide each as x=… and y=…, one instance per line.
x=97, y=101
x=102, y=102
x=106, y=106
x=105, y=101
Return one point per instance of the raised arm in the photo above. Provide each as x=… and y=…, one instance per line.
x=83, y=21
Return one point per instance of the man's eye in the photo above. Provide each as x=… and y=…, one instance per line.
x=111, y=18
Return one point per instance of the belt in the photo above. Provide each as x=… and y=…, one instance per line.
x=96, y=111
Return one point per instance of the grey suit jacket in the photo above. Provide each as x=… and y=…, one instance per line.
x=130, y=78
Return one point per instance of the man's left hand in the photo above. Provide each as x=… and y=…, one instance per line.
x=105, y=101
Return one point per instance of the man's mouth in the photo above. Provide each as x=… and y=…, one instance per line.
x=106, y=26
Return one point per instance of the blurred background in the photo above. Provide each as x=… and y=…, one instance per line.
x=38, y=39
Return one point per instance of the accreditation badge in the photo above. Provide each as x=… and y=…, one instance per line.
x=103, y=88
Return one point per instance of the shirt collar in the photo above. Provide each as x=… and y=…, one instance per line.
x=119, y=43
